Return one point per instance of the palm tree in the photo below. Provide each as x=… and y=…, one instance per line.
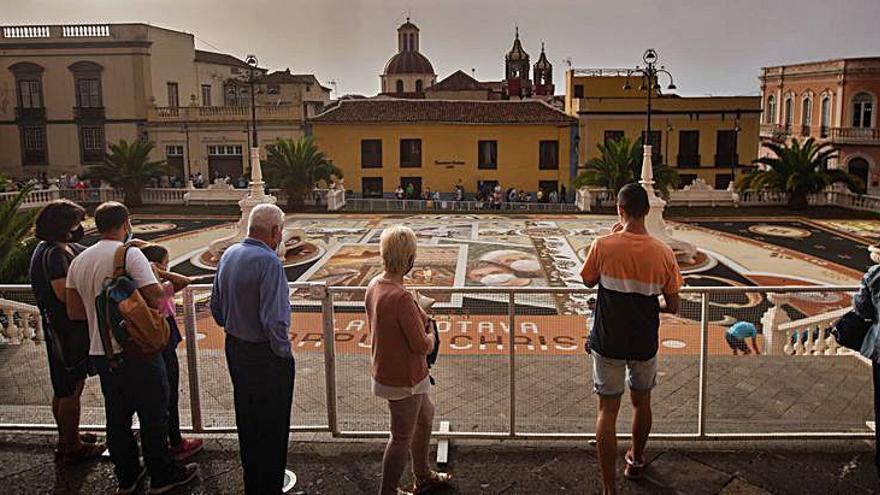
x=16, y=243
x=798, y=170
x=128, y=166
x=620, y=163
x=296, y=166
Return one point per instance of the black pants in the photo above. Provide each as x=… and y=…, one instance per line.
x=172, y=369
x=262, y=386
x=137, y=386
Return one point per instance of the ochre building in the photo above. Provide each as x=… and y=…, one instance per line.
x=712, y=138
x=834, y=101
x=68, y=90
x=382, y=143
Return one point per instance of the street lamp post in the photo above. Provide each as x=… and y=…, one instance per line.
x=685, y=252
x=733, y=157
x=650, y=82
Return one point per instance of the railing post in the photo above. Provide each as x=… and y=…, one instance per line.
x=328, y=329
x=511, y=321
x=704, y=364
x=192, y=362
x=774, y=336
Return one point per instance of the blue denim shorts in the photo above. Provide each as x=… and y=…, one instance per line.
x=610, y=375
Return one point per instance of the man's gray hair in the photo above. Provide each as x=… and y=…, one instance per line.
x=264, y=217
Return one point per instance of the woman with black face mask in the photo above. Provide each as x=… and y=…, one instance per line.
x=59, y=228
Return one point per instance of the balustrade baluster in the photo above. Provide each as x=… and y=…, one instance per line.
x=789, y=350
x=798, y=344
x=819, y=344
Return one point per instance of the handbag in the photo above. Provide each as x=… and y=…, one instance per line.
x=432, y=356
x=70, y=345
x=850, y=330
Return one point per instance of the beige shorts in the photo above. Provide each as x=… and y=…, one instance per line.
x=610, y=375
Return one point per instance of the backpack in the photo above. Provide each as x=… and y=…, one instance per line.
x=122, y=310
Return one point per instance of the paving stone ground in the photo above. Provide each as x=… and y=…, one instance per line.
x=553, y=393
x=326, y=466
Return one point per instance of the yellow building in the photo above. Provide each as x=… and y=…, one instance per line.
x=382, y=143
x=68, y=90
x=701, y=137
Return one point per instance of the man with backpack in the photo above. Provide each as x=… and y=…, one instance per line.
x=132, y=380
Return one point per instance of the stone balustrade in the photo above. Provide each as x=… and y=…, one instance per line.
x=809, y=336
x=36, y=199
x=285, y=112
x=19, y=322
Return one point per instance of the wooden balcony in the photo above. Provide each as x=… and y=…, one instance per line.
x=854, y=135
x=223, y=114
x=688, y=161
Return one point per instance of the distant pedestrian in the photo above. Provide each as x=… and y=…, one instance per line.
x=632, y=269
x=251, y=300
x=736, y=337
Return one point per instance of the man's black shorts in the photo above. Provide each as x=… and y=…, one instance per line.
x=736, y=343
x=63, y=381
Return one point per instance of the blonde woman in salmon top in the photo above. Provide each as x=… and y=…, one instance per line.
x=401, y=340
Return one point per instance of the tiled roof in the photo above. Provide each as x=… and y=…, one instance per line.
x=285, y=77
x=468, y=112
x=219, y=59
x=460, y=81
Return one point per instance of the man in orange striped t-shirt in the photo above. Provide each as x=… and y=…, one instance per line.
x=633, y=269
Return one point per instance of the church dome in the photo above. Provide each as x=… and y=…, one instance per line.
x=409, y=62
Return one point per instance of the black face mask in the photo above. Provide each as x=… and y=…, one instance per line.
x=76, y=234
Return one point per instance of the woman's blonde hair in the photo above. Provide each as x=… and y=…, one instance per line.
x=397, y=246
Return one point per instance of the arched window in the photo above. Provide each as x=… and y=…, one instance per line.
x=770, y=116
x=863, y=110
x=87, y=83
x=399, y=86
x=788, y=116
x=807, y=112
x=418, y=85
x=825, y=115
x=860, y=168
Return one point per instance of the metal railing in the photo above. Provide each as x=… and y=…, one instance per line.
x=512, y=366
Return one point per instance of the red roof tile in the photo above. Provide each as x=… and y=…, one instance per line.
x=469, y=112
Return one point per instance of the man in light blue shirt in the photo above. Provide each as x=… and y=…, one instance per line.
x=736, y=337
x=251, y=300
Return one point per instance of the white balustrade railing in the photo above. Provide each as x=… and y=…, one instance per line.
x=163, y=196
x=85, y=31
x=19, y=322
x=12, y=32
x=35, y=199
x=812, y=336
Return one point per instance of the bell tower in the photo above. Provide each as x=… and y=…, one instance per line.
x=516, y=71
x=543, y=75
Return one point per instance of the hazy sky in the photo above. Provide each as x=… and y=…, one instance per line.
x=710, y=46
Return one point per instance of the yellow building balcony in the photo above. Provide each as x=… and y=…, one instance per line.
x=224, y=114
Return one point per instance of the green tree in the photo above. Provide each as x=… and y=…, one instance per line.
x=620, y=163
x=296, y=166
x=16, y=242
x=799, y=170
x=128, y=166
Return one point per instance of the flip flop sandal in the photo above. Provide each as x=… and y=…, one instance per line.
x=633, y=470
x=434, y=479
x=88, y=452
x=88, y=438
